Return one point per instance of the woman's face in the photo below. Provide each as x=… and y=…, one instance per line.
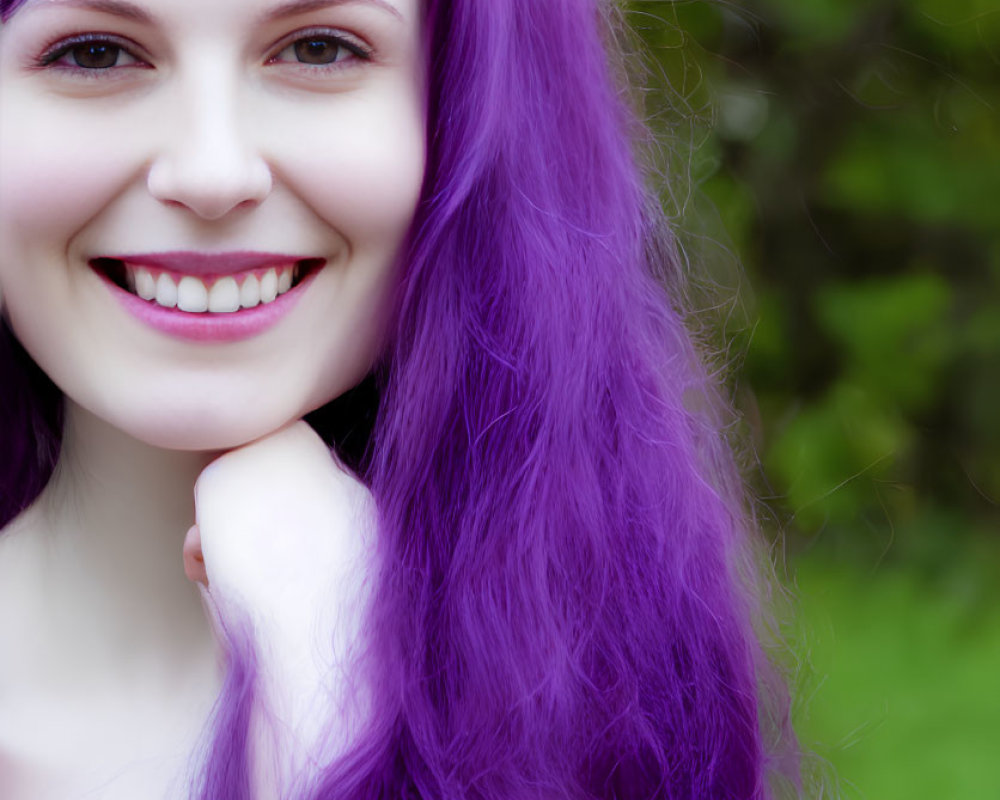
x=160, y=155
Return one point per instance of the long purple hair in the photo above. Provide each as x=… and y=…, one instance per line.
x=568, y=599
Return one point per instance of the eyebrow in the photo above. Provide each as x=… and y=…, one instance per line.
x=118, y=8
x=294, y=7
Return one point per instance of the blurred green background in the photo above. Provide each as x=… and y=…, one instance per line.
x=835, y=169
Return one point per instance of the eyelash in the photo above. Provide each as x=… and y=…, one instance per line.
x=339, y=39
x=51, y=57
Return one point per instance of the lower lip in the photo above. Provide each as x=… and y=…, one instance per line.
x=210, y=327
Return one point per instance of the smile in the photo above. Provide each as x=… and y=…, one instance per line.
x=225, y=294
x=207, y=297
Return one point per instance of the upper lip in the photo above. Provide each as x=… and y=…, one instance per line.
x=208, y=264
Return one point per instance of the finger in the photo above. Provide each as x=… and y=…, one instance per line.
x=194, y=560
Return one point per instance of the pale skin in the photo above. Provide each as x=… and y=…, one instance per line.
x=206, y=134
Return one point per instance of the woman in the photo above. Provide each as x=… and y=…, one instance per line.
x=557, y=598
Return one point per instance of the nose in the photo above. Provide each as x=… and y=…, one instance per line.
x=208, y=163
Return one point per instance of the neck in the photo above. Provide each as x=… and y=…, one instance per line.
x=100, y=555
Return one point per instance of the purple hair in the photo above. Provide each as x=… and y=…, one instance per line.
x=567, y=601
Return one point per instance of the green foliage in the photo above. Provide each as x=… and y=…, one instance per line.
x=907, y=706
x=845, y=155
x=816, y=23
x=839, y=172
x=830, y=456
x=893, y=334
x=902, y=168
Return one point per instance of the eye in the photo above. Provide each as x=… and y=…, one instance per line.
x=318, y=51
x=321, y=49
x=90, y=53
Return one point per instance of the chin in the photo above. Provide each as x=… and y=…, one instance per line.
x=201, y=431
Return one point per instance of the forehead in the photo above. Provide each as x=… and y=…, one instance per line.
x=151, y=11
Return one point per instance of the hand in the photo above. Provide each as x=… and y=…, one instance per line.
x=284, y=544
x=275, y=519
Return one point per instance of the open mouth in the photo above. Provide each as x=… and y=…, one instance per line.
x=219, y=294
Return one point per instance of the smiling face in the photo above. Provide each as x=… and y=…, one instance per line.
x=169, y=167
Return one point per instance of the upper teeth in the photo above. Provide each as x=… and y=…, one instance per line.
x=218, y=295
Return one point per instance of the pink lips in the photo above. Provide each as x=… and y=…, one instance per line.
x=208, y=326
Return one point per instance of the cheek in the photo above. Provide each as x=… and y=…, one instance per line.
x=359, y=164
x=58, y=168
